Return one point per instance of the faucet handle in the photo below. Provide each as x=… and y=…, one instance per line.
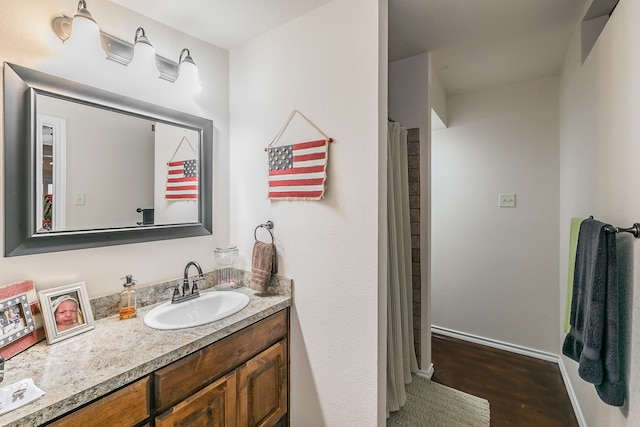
x=176, y=293
x=194, y=286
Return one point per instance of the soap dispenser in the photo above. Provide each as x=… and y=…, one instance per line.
x=128, y=299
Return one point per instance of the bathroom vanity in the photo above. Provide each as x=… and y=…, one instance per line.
x=232, y=372
x=245, y=377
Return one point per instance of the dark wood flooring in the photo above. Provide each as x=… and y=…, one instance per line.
x=522, y=391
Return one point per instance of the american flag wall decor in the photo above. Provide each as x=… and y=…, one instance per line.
x=182, y=180
x=298, y=171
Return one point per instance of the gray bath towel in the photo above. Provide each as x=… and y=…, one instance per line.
x=593, y=340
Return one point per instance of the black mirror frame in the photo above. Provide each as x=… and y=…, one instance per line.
x=21, y=85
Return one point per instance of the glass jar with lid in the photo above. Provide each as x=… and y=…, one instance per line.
x=226, y=275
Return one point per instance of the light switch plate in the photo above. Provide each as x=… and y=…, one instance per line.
x=80, y=199
x=507, y=200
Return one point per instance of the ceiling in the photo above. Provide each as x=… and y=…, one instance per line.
x=483, y=43
x=224, y=23
x=474, y=43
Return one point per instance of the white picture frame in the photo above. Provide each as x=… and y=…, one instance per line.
x=66, y=311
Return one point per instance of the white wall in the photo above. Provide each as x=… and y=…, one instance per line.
x=599, y=157
x=410, y=93
x=105, y=150
x=27, y=39
x=494, y=270
x=327, y=64
x=437, y=99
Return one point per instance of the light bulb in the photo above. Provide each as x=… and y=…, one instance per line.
x=188, y=78
x=144, y=56
x=84, y=41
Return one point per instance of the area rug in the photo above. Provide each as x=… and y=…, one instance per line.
x=430, y=404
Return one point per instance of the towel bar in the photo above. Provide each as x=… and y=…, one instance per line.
x=635, y=229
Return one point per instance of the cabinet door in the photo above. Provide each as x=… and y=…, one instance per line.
x=176, y=382
x=213, y=406
x=125, y=407
x=262, y=388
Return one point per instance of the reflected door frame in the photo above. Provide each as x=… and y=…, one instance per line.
x=59, y=141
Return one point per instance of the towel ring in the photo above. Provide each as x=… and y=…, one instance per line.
x=268, y=226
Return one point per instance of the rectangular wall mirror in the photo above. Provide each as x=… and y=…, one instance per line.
x=85, y=167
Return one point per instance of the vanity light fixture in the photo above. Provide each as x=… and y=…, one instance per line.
x=188, y=72
x=144, y=55
x=83, y=22
x=119, y=50
x=83, y=31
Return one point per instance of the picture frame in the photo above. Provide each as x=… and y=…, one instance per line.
x=66, y=311
x=21, y=323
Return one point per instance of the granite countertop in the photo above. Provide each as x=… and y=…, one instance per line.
x=116, y=352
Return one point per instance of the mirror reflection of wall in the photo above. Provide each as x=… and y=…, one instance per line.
x=108, y=166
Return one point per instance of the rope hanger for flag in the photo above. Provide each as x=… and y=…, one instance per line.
x=284, y=127
x=298, y=171
x=184, y=138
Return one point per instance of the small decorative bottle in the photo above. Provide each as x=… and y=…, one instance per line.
x=128, y=299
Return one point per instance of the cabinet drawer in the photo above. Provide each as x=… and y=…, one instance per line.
x=180, y=379
x=124, y=407
x=213, y=406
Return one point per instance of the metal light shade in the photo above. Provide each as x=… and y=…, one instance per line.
x=83, y=12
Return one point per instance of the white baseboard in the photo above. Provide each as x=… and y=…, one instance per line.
x=426, y=374
x=572, y=394
x=501, y=345
x=525, y=351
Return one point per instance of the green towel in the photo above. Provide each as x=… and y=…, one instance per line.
x=573, y=244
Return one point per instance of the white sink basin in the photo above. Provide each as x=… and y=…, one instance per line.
x=208, y=307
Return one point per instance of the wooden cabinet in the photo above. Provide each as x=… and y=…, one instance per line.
x=255, y=394
x=213, y=406
x=252, y=392
x=262, y=388
x=241, y=380
x=125, y=407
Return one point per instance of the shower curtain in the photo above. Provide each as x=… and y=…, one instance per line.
x=401, y=356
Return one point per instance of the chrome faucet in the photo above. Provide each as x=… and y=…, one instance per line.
x=187, y=293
